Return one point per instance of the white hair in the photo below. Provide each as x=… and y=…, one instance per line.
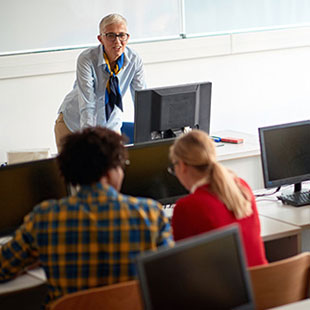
x=111, y=19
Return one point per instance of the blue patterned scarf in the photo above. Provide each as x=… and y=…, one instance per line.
x=113, y=93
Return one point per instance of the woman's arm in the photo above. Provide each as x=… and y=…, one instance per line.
x=18, y=253
x=86, y=91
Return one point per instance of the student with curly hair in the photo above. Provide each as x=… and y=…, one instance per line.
x=91, y=238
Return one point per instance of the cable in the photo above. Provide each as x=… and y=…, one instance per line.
x=268, y=194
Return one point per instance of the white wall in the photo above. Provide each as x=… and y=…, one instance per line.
x=258, y=79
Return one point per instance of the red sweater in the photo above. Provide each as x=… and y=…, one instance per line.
x=201, y=211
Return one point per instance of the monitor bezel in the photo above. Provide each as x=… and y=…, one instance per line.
x=152, y=144
x=265, y=167
x=202, y=111
x=35, y=163
x=216, y=234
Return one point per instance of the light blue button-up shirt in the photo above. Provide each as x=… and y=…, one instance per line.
x=84, y=105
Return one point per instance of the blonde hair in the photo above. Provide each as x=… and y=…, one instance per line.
x=111, y=19
x=198, y=150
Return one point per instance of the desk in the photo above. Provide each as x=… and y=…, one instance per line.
x=273, y=230
x=299, y=217
x=24, y=292
x=281, y=240
x=244, y=158
x=21, y=282
x=299, y=305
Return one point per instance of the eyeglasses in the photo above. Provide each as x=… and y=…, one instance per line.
x=171, y=169
x=111, y=36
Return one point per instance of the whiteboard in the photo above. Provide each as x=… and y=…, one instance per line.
x=227, y=16
x=41, y=25
x=38, y=25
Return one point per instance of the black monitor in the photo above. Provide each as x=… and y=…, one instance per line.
x=147, y=174
x=166, y=112
x=24, y=185
x=285, y=154
x=208, y=271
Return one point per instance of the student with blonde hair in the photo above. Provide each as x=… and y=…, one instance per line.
x=217, y=196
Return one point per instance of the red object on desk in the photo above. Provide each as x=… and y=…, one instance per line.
x=232, y=140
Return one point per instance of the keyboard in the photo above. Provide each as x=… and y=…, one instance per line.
x=168, y=210
x=297, y=199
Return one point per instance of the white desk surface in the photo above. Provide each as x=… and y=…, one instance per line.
x=243, y=158
x=299, y=305
x=249, y=147
x=272, y=229
x=299, y=216
x=21, y=282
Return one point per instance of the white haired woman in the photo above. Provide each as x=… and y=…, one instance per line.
x=217, y=196
x=103, y=76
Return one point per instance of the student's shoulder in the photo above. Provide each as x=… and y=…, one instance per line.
x=51, y=205
x=192, y=201
x=188, y=199
x=140, y=201
x=244, y=183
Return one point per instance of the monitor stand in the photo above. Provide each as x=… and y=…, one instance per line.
x=169, y=133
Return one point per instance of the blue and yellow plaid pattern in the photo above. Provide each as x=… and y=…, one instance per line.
x=86, y=240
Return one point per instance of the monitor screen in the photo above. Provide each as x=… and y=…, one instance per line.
x=24, y=185
x=165, y=112
x=207, y=271
x=147, y=174
x=285, y=153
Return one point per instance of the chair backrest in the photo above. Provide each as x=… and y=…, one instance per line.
x=128, y=129
x=281, y=282
x=124, y=295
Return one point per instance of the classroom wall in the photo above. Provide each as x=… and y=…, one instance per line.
x=258, y=79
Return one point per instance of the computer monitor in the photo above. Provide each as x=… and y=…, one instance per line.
x=24, y=185
x=285, y=154
x=147, y=174
x=166, y=112
x=207, y=271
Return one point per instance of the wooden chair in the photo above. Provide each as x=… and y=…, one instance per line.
x=281, y=282
x=124, y=295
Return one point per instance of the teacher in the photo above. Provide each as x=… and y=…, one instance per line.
x=103, y=76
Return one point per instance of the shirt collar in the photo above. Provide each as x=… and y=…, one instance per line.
x=101, y=60
x=97, y=187
x=199, y=183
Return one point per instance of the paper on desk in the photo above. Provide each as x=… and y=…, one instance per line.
x=37, y=273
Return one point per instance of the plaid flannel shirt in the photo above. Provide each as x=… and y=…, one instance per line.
x=86, y=240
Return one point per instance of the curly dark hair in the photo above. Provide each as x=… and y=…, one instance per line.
x=88, y=155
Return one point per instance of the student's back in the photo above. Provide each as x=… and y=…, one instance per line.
x=217, y=196
x=202, y=211
x=91, y=238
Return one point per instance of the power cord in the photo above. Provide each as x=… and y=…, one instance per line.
x=268, y=194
